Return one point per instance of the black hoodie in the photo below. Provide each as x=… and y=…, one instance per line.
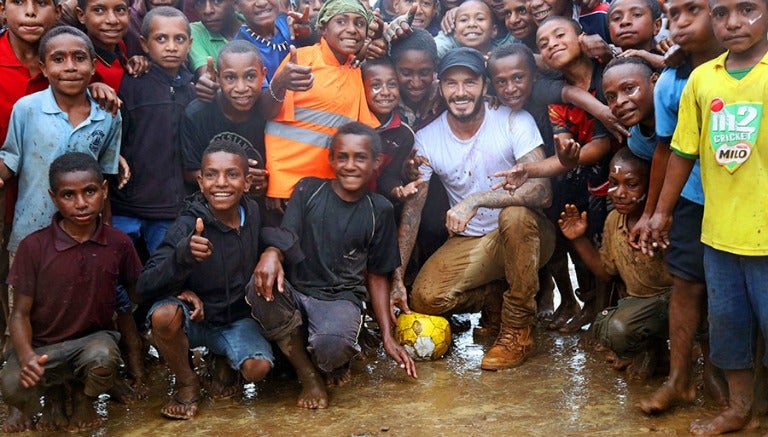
x=220, y=280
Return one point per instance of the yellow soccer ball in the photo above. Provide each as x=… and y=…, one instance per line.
x=424, y=337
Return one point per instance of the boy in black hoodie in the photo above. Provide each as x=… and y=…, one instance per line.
x=197, y=277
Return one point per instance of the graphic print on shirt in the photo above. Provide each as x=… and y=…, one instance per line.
x=733, y=131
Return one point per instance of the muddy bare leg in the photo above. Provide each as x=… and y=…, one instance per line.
x=173, y=345
x=17, y=421
x=83, y=414
x=313, y=394
x=54, y=415
x=738, y=415
x=686, y=305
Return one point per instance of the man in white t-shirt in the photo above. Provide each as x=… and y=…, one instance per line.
x=494, y=236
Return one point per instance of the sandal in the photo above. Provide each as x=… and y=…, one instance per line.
x=189, y=406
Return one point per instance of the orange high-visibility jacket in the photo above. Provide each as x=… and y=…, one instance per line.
x=297, y=139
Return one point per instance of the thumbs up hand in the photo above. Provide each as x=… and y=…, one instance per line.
x=292, y=77
x=207, y=85
x=200, y=246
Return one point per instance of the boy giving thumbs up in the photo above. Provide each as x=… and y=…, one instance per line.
x=195, y=283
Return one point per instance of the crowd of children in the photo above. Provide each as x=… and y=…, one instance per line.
x=287, y=169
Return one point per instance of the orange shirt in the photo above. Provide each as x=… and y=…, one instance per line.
x=297, y=138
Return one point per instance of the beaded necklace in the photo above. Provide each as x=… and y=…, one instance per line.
x=283, y=46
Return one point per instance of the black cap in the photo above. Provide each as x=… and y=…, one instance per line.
x=462, y=57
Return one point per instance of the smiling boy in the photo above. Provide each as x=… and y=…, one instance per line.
x=341, y=254
x=240, y=74
x=196, y=283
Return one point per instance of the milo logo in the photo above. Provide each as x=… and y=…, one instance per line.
x=733, y=155
x=733, y=131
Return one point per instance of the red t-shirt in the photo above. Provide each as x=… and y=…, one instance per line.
x=72, y=284
x=109, y=66
x=15, y=83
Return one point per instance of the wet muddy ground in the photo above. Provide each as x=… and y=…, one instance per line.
x=560, y=391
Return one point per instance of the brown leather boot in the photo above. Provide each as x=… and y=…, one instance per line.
x=510, y=349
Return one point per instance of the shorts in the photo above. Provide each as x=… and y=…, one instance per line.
x=685, y=254
x=738, y=307
x=331, y=326
x=67, y=361
x=238, y=341
x=634, y=324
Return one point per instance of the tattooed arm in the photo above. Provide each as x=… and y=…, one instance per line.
x=534, y=193
x=410, y=219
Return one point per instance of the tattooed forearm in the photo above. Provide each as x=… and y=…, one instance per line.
x=410, y=219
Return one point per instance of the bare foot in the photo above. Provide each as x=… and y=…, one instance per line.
x=54, y=415
x=339, y=377
x=225, y=382
x=728, y=421
x=584, y=317
x=716, y=387
x=545, y=301
x=83, y=414
x=313, y=394
x=642, y=366
x=564, y=312
x=17, y=421
x=124, y=393
x=184, y=403
x=590, y=343
x=617, y=362
x=667, y=396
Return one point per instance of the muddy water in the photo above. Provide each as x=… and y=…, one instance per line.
x=559, y=391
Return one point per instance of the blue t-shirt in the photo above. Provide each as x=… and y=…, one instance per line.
x=666, y=101
x=641, y=145
x=273, y=51
x=39, y=132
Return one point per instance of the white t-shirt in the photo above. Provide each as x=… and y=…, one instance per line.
x=466, y=166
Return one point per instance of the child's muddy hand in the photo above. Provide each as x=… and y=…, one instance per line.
x=655, y=236
x=595, y=47
x=123, y=172
x=298, y=24
x=292, y=76
x=207, y=85
x=634, y=233
x=269, y=274
x=200, y=246
x=411, y=165
x=400, y=356
x=406, y=191
x=448, y=22
x=32, y=370
x=514, y=178
x=568, y=151
x=259, y=176
x=400, y=27
x=572, y=223
x=376, y=49
x=106, y=97
x=137, y=66
x=196, y=313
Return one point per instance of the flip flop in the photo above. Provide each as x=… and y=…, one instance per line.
x=194, y=402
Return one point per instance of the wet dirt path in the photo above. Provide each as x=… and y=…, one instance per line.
x=560, y=391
